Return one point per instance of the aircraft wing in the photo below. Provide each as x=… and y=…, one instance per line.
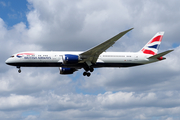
x=92, y=54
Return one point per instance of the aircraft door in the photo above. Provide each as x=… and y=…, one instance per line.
x=136, y=58
x=57, y=57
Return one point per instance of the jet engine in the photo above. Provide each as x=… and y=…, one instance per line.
x=70, y=59
x=66, y=70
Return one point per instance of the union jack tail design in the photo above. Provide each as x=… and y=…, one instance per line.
x=152, y=46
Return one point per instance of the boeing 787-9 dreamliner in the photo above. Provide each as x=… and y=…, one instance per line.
x=96, y=57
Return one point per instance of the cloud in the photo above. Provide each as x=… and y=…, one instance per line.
x=31, y=82
x=107, y=105
x=146, y=92
x=17, y=101
x=3, y=3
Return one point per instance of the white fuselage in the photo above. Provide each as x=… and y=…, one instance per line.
x=55, y=59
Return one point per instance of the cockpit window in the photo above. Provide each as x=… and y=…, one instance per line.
x=12, y=56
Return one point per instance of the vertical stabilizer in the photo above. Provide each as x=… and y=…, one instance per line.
x=152, y=46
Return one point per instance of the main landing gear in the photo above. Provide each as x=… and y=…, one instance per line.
x=19, y=69
x=86, y=73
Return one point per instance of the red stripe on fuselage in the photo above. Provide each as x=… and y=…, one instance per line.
x=26, y=54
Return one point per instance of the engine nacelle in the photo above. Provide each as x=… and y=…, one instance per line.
x=66, y=70
x=70, y=59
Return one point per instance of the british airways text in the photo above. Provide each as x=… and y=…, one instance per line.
x=37, y=57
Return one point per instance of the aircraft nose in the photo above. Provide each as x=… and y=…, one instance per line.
x=8, y=61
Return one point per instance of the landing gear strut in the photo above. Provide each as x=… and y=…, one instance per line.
x=19, y=71
x=88, y=67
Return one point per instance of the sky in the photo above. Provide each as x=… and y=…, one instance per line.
x=149, y=92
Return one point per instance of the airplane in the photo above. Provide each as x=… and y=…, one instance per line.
x=96, y=57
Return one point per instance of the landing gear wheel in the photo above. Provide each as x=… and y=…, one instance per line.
x=91, y=69
x=88, y=68
x=19, y=70
x=88, y=74
x=85, y=73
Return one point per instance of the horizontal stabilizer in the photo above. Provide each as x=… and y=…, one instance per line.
x=160, y=54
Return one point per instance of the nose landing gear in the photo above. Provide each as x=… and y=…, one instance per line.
x=19, y=69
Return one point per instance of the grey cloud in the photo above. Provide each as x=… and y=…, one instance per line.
x=14, y=102
x=103, y=106
x=76, y=23
x=82, y=22
x=33, y=82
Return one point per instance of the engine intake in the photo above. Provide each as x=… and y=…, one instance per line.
x=66, y=70
x=70, y=59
